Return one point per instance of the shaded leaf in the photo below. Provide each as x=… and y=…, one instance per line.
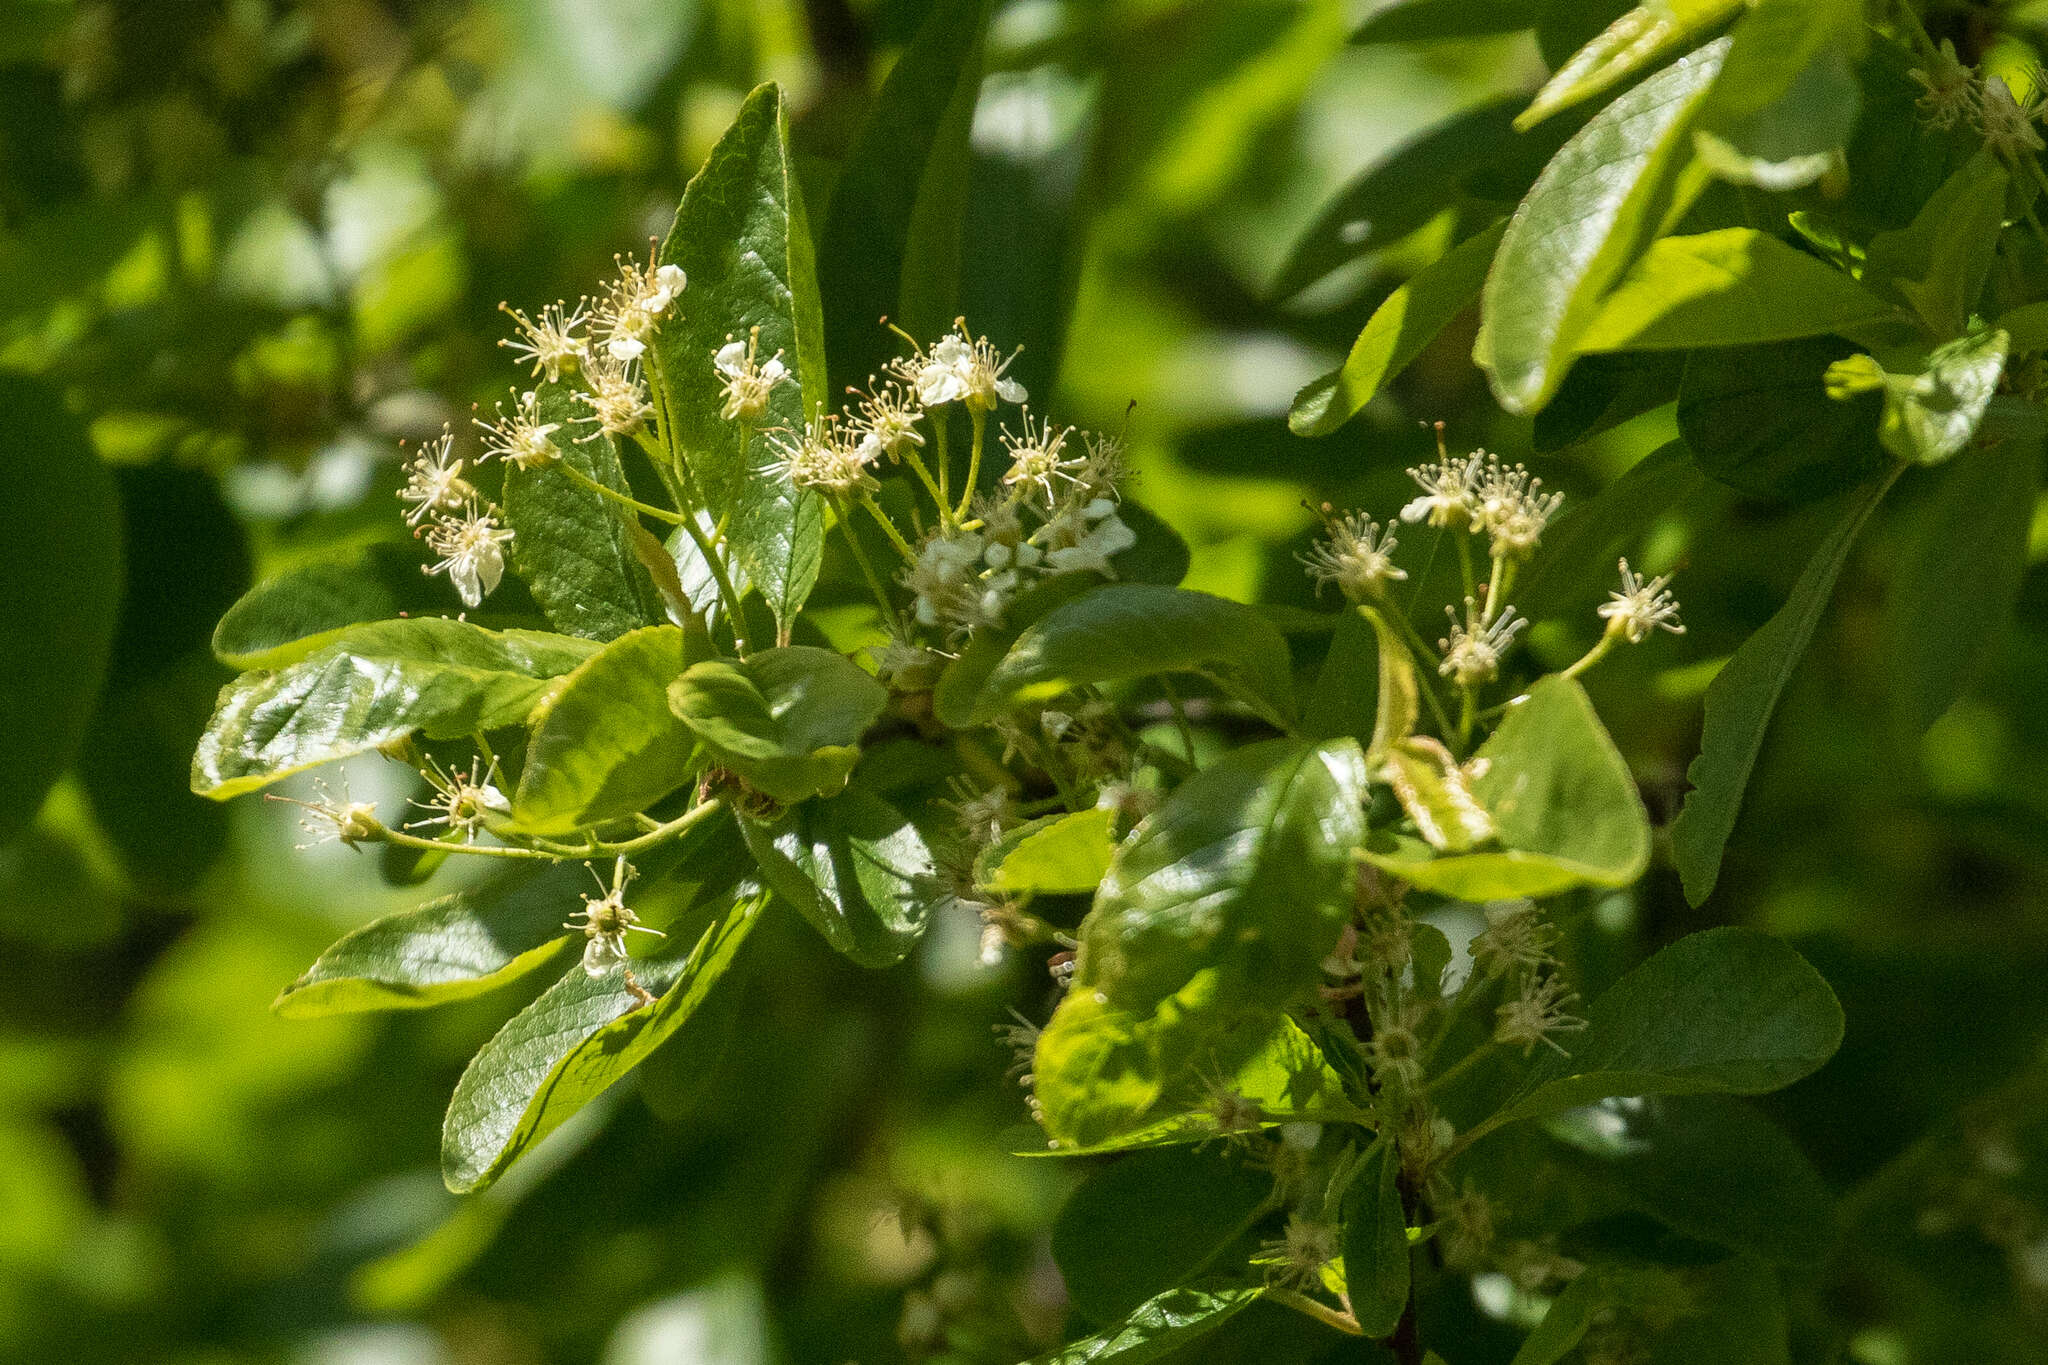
x=788, y=721
x=1176, y=1319
x=1376, y=1243
x=1937, y=264
x=957, y=699
x=375, y=684
x=1759, y=419
x=855, y=869
x=1744, y=694
x=1786, y=103
x=289, y=615
x=1428, y=21
x=1580, y=549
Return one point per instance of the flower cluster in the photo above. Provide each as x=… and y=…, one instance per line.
x=1479, y=493
x=458, y=523
x=1954, y=92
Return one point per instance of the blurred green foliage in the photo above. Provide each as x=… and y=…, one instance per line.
x=254, y=245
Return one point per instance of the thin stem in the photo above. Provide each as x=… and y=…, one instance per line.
x=1180, y=716
x=924, y=475
x=980, y=421
x=404, y=840
x=645, y=509
x=890, y=619
x=1465, y=571
x=1496, y=591
x=939, y=457
x=727, y=597
x=903, y=547
x=1423, y=684
x=1321, y=1312
x=661, y=833
x=1460, y=1067
x=1599, y=651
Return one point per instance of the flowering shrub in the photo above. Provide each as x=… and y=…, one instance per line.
x=1317, y=994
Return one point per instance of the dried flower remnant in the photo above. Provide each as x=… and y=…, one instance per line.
x=1473, y=650
x=520, y=438
x=1039, y=463
x=1951, y=90
x=1355, y=555
x=464, y=800
x=605, y=922
x=617, y=398
x=827, y=456
x=1538, y=1010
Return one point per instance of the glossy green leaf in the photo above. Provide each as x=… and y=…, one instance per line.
x=1135, y=630
x=742, y=241
x=891, y=245
x=1563, y=803
x=1215, y=913
x=1711, y=1167
x=855, y=869
x=1581, y=224
x=1950, y=601
x=1745, y=693
x=1730, y=287
x=957, y=698
x=1155, y=1220
x=1630, y=45
x=451, y=948
x=1399, y=329
x=787, y=721
x=375, y=684
x=1060, y=855
x=1376, y=1243
x=605, y=744
x=1937, y=264
x=2026, y=328
x=1176, y=1320
x=1759, y=419
x=569, y=1046
x=1786, y=104
x=1728, y=1011
x=1395, y=196
x=571, y=545
x=289, y=615
x=60, y=541
x=1930, y=417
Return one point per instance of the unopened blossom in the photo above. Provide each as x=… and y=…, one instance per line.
x=433, y=481
x=960, y=369
x=549, y=342
x=1950, y=86
x=902, y=666
x=464, y=800
x=890, y=414
x=747, y=380
x=1642, y=605
x=1039, y=459
x=1450, y=492
x=1514, y=509
x=340, y=820
x=1472, y=651
x=1356, y=556
x=472, y=550
x=616, y=397
x=634, y=305
x=981, y=816
x=520, y=437
x=605, y=922
x=826, y=456
x=1535, y=1013
x=2006, y=122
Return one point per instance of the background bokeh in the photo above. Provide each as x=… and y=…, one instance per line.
x=255, y=244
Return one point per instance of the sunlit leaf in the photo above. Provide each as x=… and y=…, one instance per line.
x=291, y=614
x=787, y=721
x=1629, y=46
x=1058, y=855
x=855, y=869
x=1177, y=1319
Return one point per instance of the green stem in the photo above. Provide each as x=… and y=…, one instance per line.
x=1465, y=572
x=404, y=840
x=1460, y=1067
x=727, y=597
x=1601, y=648
x=940, y=458
x=645, y=509
x=1496, y=591
x=980, y=421
x=903, y=547
x=1180, y=716
x=1321, y=1312
x=924, y=475
x=890, y=620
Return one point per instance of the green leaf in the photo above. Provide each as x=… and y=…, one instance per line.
x=1786, y=103
x=1580, y=225
x=289, y=615
x=1406, y=322
x=1930, y=416
x=1744, y=694
x=1344, y=700
x=1176, y=1319
x=1154, y=1220
x=569, y=1046
x=375, y=684
x=1376, y=1243
x=2026, y=328
x=451, y=948
x=1136, y=630
x=1711, y=1167
x=1953, y=588
x=1565, y=1325
x=1394, y=197
x=1731, y=287
x=1580, y=549
x=60, y=541
x=1060, y=855
x=1216, y=912
x=1729, y=1011
x=788, y=721
x=1563, y=802
x=891, y=244
x=1759, y=419
x=855, y=869
x=1430, y=21
x=1937, y=265
x=606, y=745
x=1638, y=39
x=571, y=545
x=742, y=241
x=957, y=698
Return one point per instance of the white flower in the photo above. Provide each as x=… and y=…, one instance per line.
x=1450, y=490
x=463, y=800
x=890, y=415
x=1038, y=459
x=634, y=305
x=1093, y=550
x=548, y=342
x=748, y=381
x=617, y=399
x=2006, y=123
x=945, y=563
x=1641, y=607
x=521, y=438
x=1472, y=652
x=827, y=456
x=434, y=482
x=606, y=920
x=1514, y=509
x=1356, y=557
x=963, y=370
x=472, y=550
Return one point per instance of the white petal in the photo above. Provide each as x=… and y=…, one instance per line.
x=625, y=348
x=732, y=358
x=775, y=371
x=1010, y=391
x=670, y=278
